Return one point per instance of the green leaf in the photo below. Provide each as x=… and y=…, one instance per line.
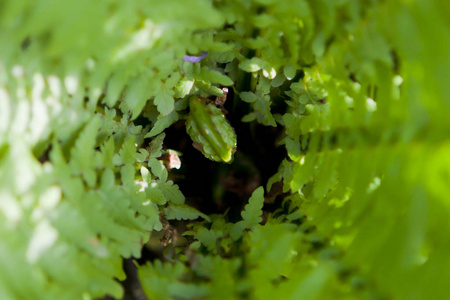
x=249, y=118
x=156, y=145
x=208, y=89
x=164, y=101
x=157, y=279
x=162, y=123
x=183, y=212
x=252, y=65
x=253, y=210
x=83, y=154
x=184, y=87
x=128, y=173
x=262, y=112
x=173, y=80
x=158, y=169
x=136, y=95
x=248, y=97
x=278, y=80
x=107, y=150
x=155, y=194
x=208, y=238
x=289, y=72
x=224, y=57
x=107, y=180
x=115, y=87
x=238, y=229
x=172, y=193
x=209, y=128
x=128, y=150
x=318, y=46
x=215, y=77
x=146, y=175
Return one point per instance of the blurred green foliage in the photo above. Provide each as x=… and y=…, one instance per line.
x=366, y=181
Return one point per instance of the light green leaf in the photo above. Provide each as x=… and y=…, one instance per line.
x=136, y=95
x=82, y=155
x=156, y=146
x=146, y=175
x=172, y=193
x=128, y=150
x=184, y=87
x=127, y=173
x=215, y=77
x=158, y=169
x=248, y=97
x=253, y=210
x=251, y=65
x=162, y=123
x=289, y=72
x=164, y=101
x=208, y=89
x=155, y=194
x=249, y=118
x=183, y=212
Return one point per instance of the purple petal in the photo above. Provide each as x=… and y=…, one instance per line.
x=195, y=59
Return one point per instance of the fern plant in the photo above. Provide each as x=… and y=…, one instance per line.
x=356, y=91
